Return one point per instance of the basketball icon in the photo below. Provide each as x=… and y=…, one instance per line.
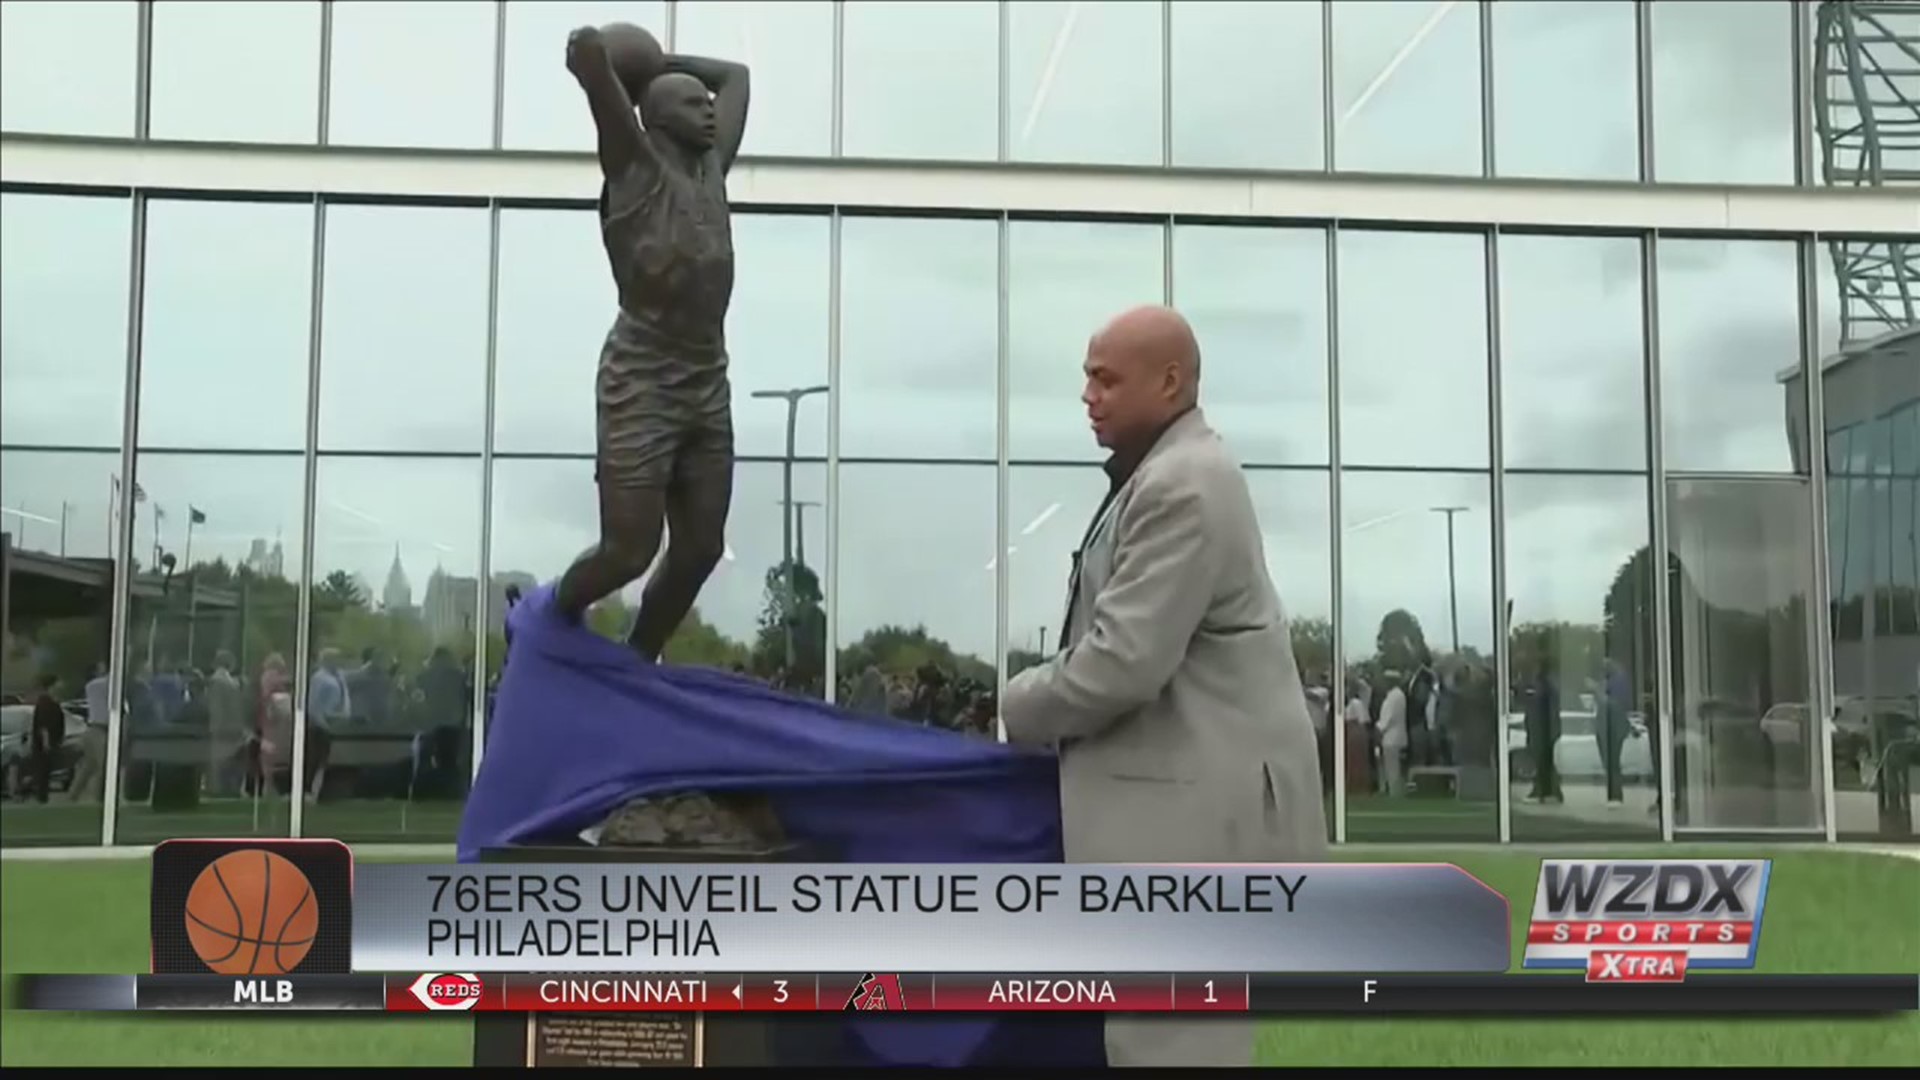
x=251, y=912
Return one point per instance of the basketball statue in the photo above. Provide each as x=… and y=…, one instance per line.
x=664, y=443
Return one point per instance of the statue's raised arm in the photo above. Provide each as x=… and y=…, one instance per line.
x=622, y=146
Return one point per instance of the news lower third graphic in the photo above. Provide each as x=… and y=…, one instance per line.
x=897, y=917
x=1508, y=996
x=1647, y=920
x=252, y=908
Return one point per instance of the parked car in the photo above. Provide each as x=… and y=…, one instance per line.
x=1576, y=754
x=15, y=723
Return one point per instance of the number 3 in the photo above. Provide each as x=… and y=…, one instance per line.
x=779, y=991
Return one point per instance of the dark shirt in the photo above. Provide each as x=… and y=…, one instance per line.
x=49, y=724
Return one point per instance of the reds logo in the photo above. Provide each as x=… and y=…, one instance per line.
x=876, y=993
x=447, y=991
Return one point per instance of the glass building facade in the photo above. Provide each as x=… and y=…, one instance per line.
x=1571, y=349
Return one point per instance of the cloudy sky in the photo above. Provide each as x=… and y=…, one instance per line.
x=403, y=323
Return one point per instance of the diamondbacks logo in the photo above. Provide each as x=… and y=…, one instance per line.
x=1646, y=921
x=876, y=993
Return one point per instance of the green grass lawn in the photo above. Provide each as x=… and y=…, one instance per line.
x=1827, y=912
x=1370, y=819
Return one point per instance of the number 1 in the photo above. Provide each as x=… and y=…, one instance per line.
x=1211, y=1000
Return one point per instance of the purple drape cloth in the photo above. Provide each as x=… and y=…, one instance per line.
x=580, y=726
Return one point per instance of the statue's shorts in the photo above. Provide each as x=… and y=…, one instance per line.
x=664, y=414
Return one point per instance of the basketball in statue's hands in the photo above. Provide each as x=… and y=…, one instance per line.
x=635, y=54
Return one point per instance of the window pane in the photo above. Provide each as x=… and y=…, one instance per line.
x=210, y=645
x=906, y=62
x=1582, y=658
x=1417, y=609
x=777, y=331
x=1745, y=754
x=1729, y=351
x=1085, y=83
x=1406, y=87
x=897, y=619
x=1413, y=349
x=1297, y=535
x=1257, y=299
x=1566, y=90
x=1247, y=85
x=63, y=318
x=56, y=514
x=557, y=303
x=919, y=338
x=396, y=564
x=1872, y=399
x=1866, y=289
x=412, y=74
x=543, y=107
x=789, y=47
x=1572, y=363
x=1862, y=133
x=545, y=513
x=1723, y=91
x=208, y=86
x=50, y=82
x=223, y=356
x=1065, y=280
x=403, y=339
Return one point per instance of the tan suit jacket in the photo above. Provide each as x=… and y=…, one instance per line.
x=1182, y=727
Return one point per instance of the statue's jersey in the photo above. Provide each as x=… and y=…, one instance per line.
x=670, y=243
x=662, y=386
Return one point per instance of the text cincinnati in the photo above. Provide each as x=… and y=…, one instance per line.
x=623, y=991
x=854, y=894
x=484, y=937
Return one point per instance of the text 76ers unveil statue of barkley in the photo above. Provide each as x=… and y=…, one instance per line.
x=664, y=450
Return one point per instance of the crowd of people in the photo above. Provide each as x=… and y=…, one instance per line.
x=247, y=720
x=930, y=696
x=1398, y=721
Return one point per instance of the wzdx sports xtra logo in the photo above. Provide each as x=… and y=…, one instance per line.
x=1644, y=920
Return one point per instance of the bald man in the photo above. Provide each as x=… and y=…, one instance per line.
x=1174, y=701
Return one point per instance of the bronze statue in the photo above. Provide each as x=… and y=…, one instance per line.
x=664, y=448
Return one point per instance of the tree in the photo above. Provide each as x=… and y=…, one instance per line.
x=1312, y=646
x=1019, y=660
x=1573, y=651
x=1401, y=645
x=900, y=650
x=338, y=592
x=795, y=613
x=699, y=643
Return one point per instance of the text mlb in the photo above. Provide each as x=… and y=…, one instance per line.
x=525, y=892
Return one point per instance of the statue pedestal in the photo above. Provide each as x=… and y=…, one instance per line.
x=659, y=1040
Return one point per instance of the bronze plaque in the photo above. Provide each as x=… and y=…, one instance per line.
x=602, y=1040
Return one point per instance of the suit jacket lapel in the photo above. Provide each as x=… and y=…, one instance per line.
x=1096, y=531
x=1103, y=519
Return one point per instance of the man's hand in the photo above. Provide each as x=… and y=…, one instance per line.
x=586, y=51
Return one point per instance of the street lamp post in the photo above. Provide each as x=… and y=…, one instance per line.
x=792, y=397
x=1453, y=590
x=798, y=508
